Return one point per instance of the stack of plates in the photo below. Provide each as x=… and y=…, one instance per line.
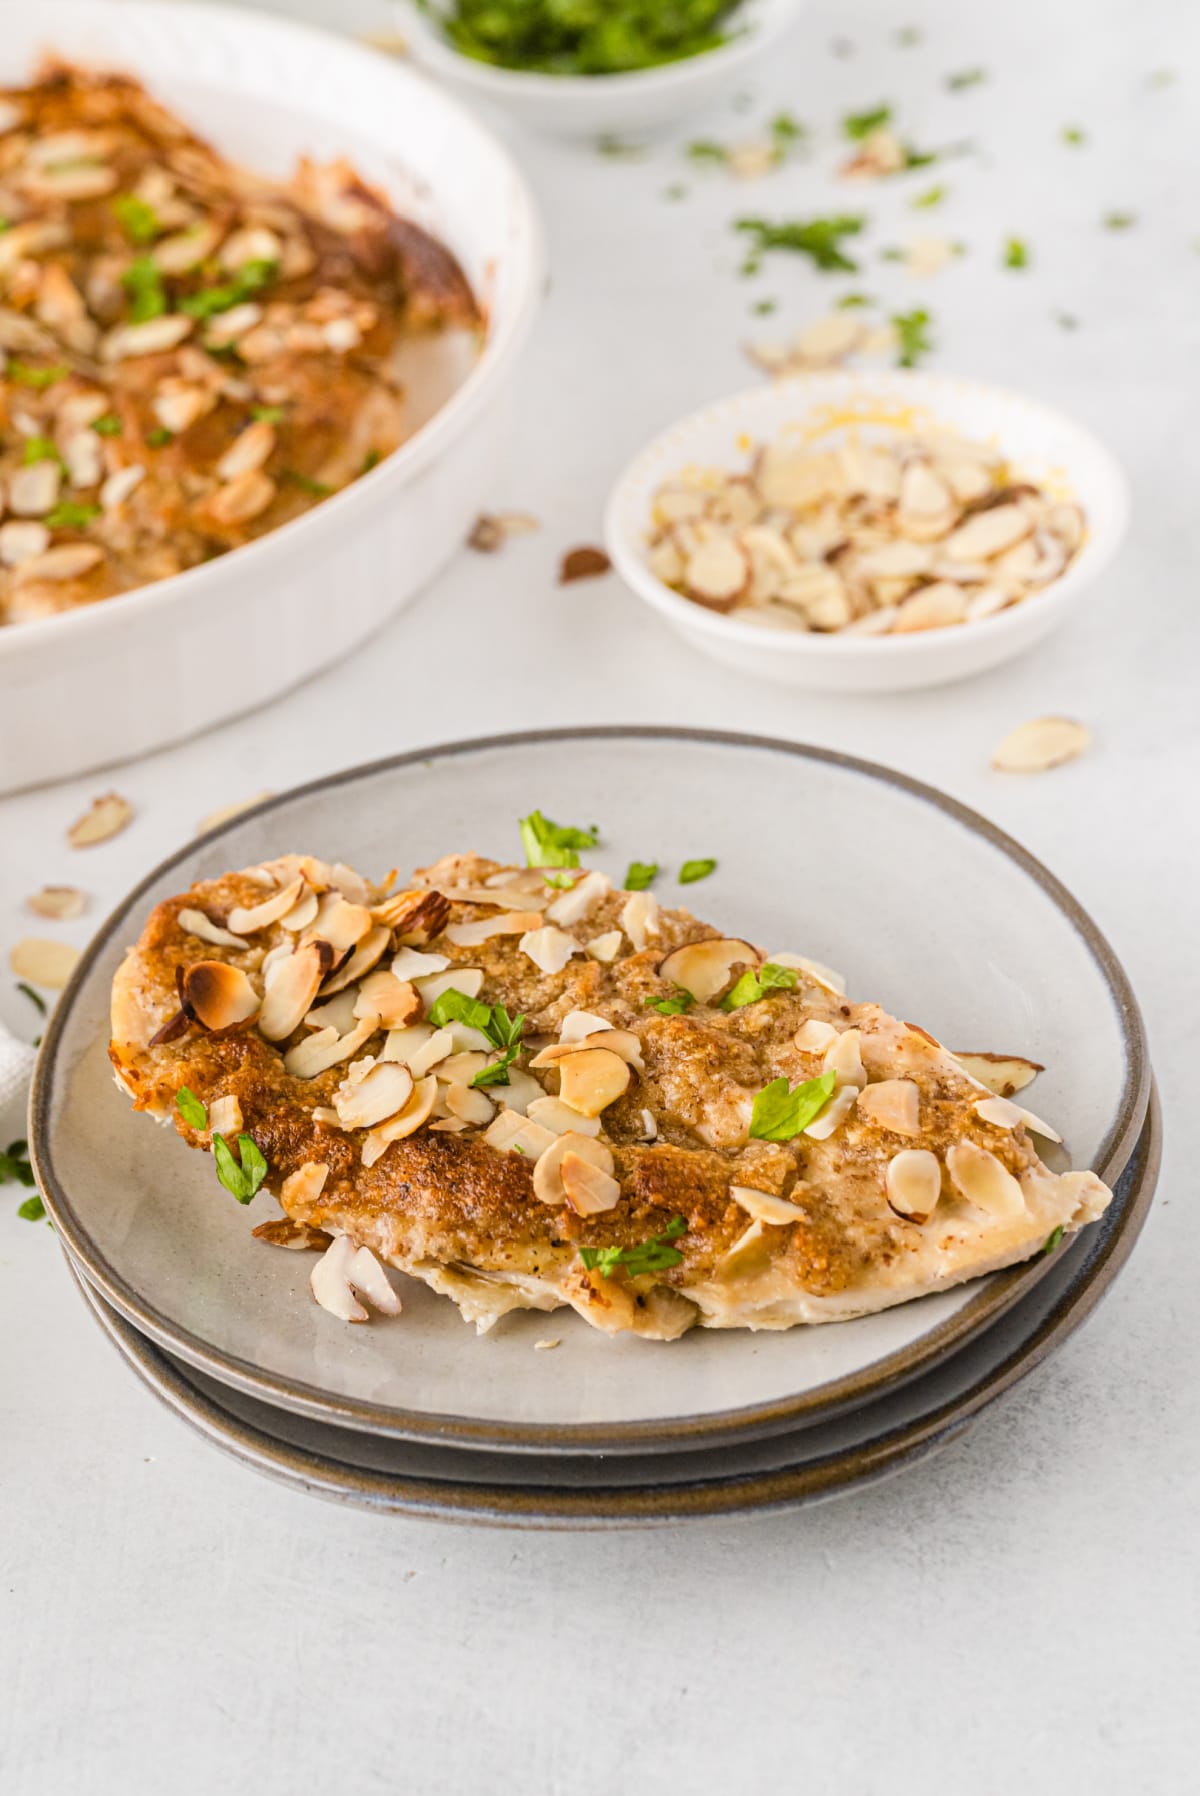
x=926, y=907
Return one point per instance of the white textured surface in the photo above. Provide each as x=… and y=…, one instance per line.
x=1019, y=1614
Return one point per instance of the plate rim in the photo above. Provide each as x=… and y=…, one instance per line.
x=1000, y=1292
x=546, y=1508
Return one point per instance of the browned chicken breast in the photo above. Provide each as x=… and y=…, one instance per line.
x=531, y=1094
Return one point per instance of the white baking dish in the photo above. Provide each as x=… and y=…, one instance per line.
x=129, y=674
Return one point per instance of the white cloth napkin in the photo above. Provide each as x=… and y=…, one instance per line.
x=16, y=1070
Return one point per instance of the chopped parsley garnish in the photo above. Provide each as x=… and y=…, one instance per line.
x=455, y=1007
x=558, y=882
x=965, y=78
x=706, y=149
x=107, y=426
x=69, y=514
x=143, y=282
x=137, y=218
x=912, y=336
x=786, y=130
x=1016, y=253
x=35, y=998
x=932, y=196
x=190, y=1108
x=503, y=1029
x=371, y=459
x=548, y=844
x=315, y=488
x=160, y=436
x=496, y=1073
x=779, y=1113
x=39, y=449
x=762, y=308
x=756, y=982
x=676, y=191
x=654, y=1255
x=1053, y=1239
x=1074, y=135
x=32, y=1210
x=675, y=1005
x=1119, y=221
x=908, y=36
x=38, y=378
x=639, y=875
x=1066, y=321
x=14, y=1164
x=267, y=414
x=691, y=871
x=818, y=238
x=249, y=279
x=850, y=301
x=858, y=125
x=240, y=1180
x=586, y=37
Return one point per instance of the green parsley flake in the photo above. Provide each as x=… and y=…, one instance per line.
x=69, y=514
x=1066, y=321
x=250, y=278
x=35, y=998
x=143, y=282
x=912, y=336
x=818, y=238
x=706, y=149
x=965, y=78
x=755, y=983
x=851, y=301
x=503, y=1029
x=1016, y=253
x=39, y=449
x=453, y=1006
x=762, y=308
x=1119, y=221
x=908, y=36
x=496, y=1071
x=1073, y=135
x=654, y=1255
x=38, y=378
x=858, y=125
x=548, y=844
x=240, y=1180
x=107, y=426
x=267, y=414
x=32, y=1210
x=691, y=871
x=640, y=874
x=675, y=1005
x=1053, y=1239
x=14, y=1164
x=315, y=488
x=619, y=149
x=932, y=196
x=190, y=1108
x=159, y=437
x=779, y=1114
x=137, y=218
x=676, y=191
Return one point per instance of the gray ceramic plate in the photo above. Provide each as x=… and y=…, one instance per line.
x=785, y=1471
x=926, y=906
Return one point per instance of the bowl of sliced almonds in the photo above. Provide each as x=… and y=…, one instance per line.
x=857, y=532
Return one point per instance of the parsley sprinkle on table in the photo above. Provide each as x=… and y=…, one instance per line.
x=965, y=78
x=1073, y=135
x=1016, y=253
x=818, y=238
x=1119, y=221
x=691, y=871
x=639, y=875
x=14, y=1164
x=548, y=844
x=912, y=336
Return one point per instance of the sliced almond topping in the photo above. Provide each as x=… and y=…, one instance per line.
x=764, y=1206
x=436, y=1048
x=560, y=1119
x=244, y=497
x=513, y=922
x=406, y=1122
x=217, y=996
x=1037, y=746
x=59, y=902
x=345, y=1269
x=914, y=1183
x=893, y=1104
x=196, y=923
x=1002, y=1074
x=467, y=980
x=717, y=572
x=927, y=509
x=42, y=962
x=591, y=1079
x=394, y=1001
x=641, y=918
x=461, y=1068
x=338, y=1013
x=108, y=817
x=225, y=1117
x=227, y=811
x=21, y=541
x=342, y=924
x=416, y=917
x=578, y=904
x=371, y=1092
x=33, y=490
x=247, y=920
x=511, y=1133
x=547, y=1174
x=291, y=984
x=471, y=1106
x=549, y=948
x=844, y=1057
x=834, y=1114
x=833, y=982
x=605, y=947
x=580, y=1023
x=814, y=1036
x=706, y=968
x=153, y=337
x=369, y=951
x=989, y=533
x=587, y=1188
x=984, y=1180
x=302, y=913
x=410, y=964
x=932, y=608
x=248, y=451
x=1002, y=1114
x=326, y=1048
x=282, y=1231
x=622, y=1042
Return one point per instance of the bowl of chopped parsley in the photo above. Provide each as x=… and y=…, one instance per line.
x=593, y=67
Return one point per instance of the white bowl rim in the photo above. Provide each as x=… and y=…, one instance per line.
x=488, y=77
x=419, y=450
x=1093, y=558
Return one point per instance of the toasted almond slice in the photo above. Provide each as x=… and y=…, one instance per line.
x=893, y=1104
x=43, y=962
x=330, y=1282
x=622, y=1042
x=549, y=948
x=580, y=1023
x=61, y=903
x=814, y=1036
x=1037, y=746
x=406, y=1122
x=369, y=951
x=227, y=811
x=927, y=509
x=326, y=1048
x=217, y=996
x=282, y=1231
x=641, y=917
x=247, y=920
x=290, y=985
x=513, y=922
x=411, y=964
x=560, y=1119
x=1002, y=1114
x=706, y=968
x=587, y=1188
x=196, y=923
x=591, y=1079
x=578, y=904
x=833, y=982
x=988, y=533
x=914, y=1183
x=764, y=1206
x=338, y=1013
x=402, y=1043
x=108, y=817
x=829, y=340
x=844, y=1057
x=302, y=913
x=896, y=561
x=987, y=601
x=416, y=916
x=248, y=451
x=471, y=1106
x=932, y=607
x=66, y=561
x=421, y=1056
x=547, y=1174
x=368, y=1277
x=834, y=1114
x=984, y=1180
x=1002, y=1074
x=467, y=1040
x=371, y=1092
x=512, y=1133
x=460, y=1069
x=467, y=980
x=606, y=947
x=342, y=924
x=153, y=337
x=395, y=1002
x=717, y=572
x=448, y=1125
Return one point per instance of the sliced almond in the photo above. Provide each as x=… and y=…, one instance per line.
x=406, y=1122
x=61, y=903
x=834, y=1113
x=927, y=508
x=764, y=1206
x=249, y=450
x=344, y=1269
x=578, y=904
x=547, y=1174
x=290, y=986
x=933, y=607
x=622, y=1042
x=591, y=1079
x=706, y=968
x=844, y=1057
x=154, y=337
x=367, y=954
x=427, y=1055
x=471, y=935
x=717, y=572
x=1002, y=1114
x=588, y=1189
x=43, y=962
x=823, y=975
x=577, y=1024
x=326, y=1048
x=467, y=980
x=641, y=918
x=1044, y=743
x=988, y=533
x=469, y=1105
x=893, y=1104
x=814, y=1036
x=1002, y=1074
x=342, y=924
x=394, y=1001
x=896, y=561
x=549, y=948
x=34, y=489
x=416, y=917
x=512, y=1133
x=108, y=817
x=247, y=920
x=227, y=811
x=196, y=923
x=606, y=947
x=371, y=1092
x=217, y=996
x=914, y=1183
x=296, y=1237
x=411, y=964
x=225, y=1117
x=829, y=340
x=984, y=1180
x=560, y=1119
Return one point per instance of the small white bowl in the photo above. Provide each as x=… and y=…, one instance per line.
x=1043, y=444
x=642, y=101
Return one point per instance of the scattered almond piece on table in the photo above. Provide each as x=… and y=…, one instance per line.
x=58, y=902
x=224, y=812
x=1042, y=743
x=492, y=530
x=43, y=963
x=582, y=564
x=108, y=816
